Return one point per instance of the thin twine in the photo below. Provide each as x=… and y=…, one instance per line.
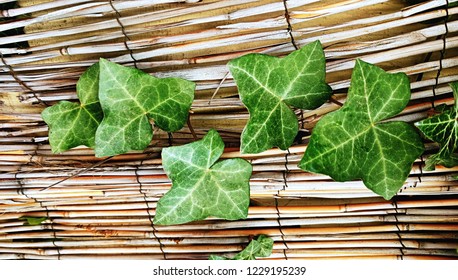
x=78, y=173
x=148, y=210
x=21, y=191
x=280, y=229
x=442, y=54
x=53, y=230
x=191, y=128
x=170, y=138
x=286, y=171
x=421, y=169
x=290, y=27
x=35, y=153
x=285, y=185
x=20, y=82
x=123, y=30
x=394, y=203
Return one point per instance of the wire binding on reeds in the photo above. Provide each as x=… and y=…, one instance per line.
x=282, y=234
x=442, y=53
x=422, y=162
x=79, y=172
x=289, y=26
x=191, y=128
x=395, y=205
x=53, y=231
x=170, y=138
x=123, y=30
x=20, y=82
x=48, y=217
x=285, y=186
x=148, y=210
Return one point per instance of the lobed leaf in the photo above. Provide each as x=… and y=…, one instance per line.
x=202, y=187
x=355, y=142
x=260, y=248
x=72, y=124
x=32, y=221
x=129, y=99
x=217, y=258
x=267, y=244
x=443, y=129
x=268, y=86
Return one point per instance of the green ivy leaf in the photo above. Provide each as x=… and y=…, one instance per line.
x=443, y=129
x=265, y=249
x=268, y=86
x=201, y=187
x=72, y=124
x=260, y=248
x=355, y=142
x=129, y=98
x=218, y=258
x=32, y=221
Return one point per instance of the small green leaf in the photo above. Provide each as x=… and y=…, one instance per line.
x=443, y=129
x=266, y=246
x=268, y=86
x=72, y=124
x=250, y=252
x=202, y=187
x=129, y=98
x=32, y=221
x=217, y=258
x=260, y=248
x=355, y=142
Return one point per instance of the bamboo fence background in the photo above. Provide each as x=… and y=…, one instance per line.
x=95, y=208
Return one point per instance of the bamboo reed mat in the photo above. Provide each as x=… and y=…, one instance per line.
x=104, y=209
